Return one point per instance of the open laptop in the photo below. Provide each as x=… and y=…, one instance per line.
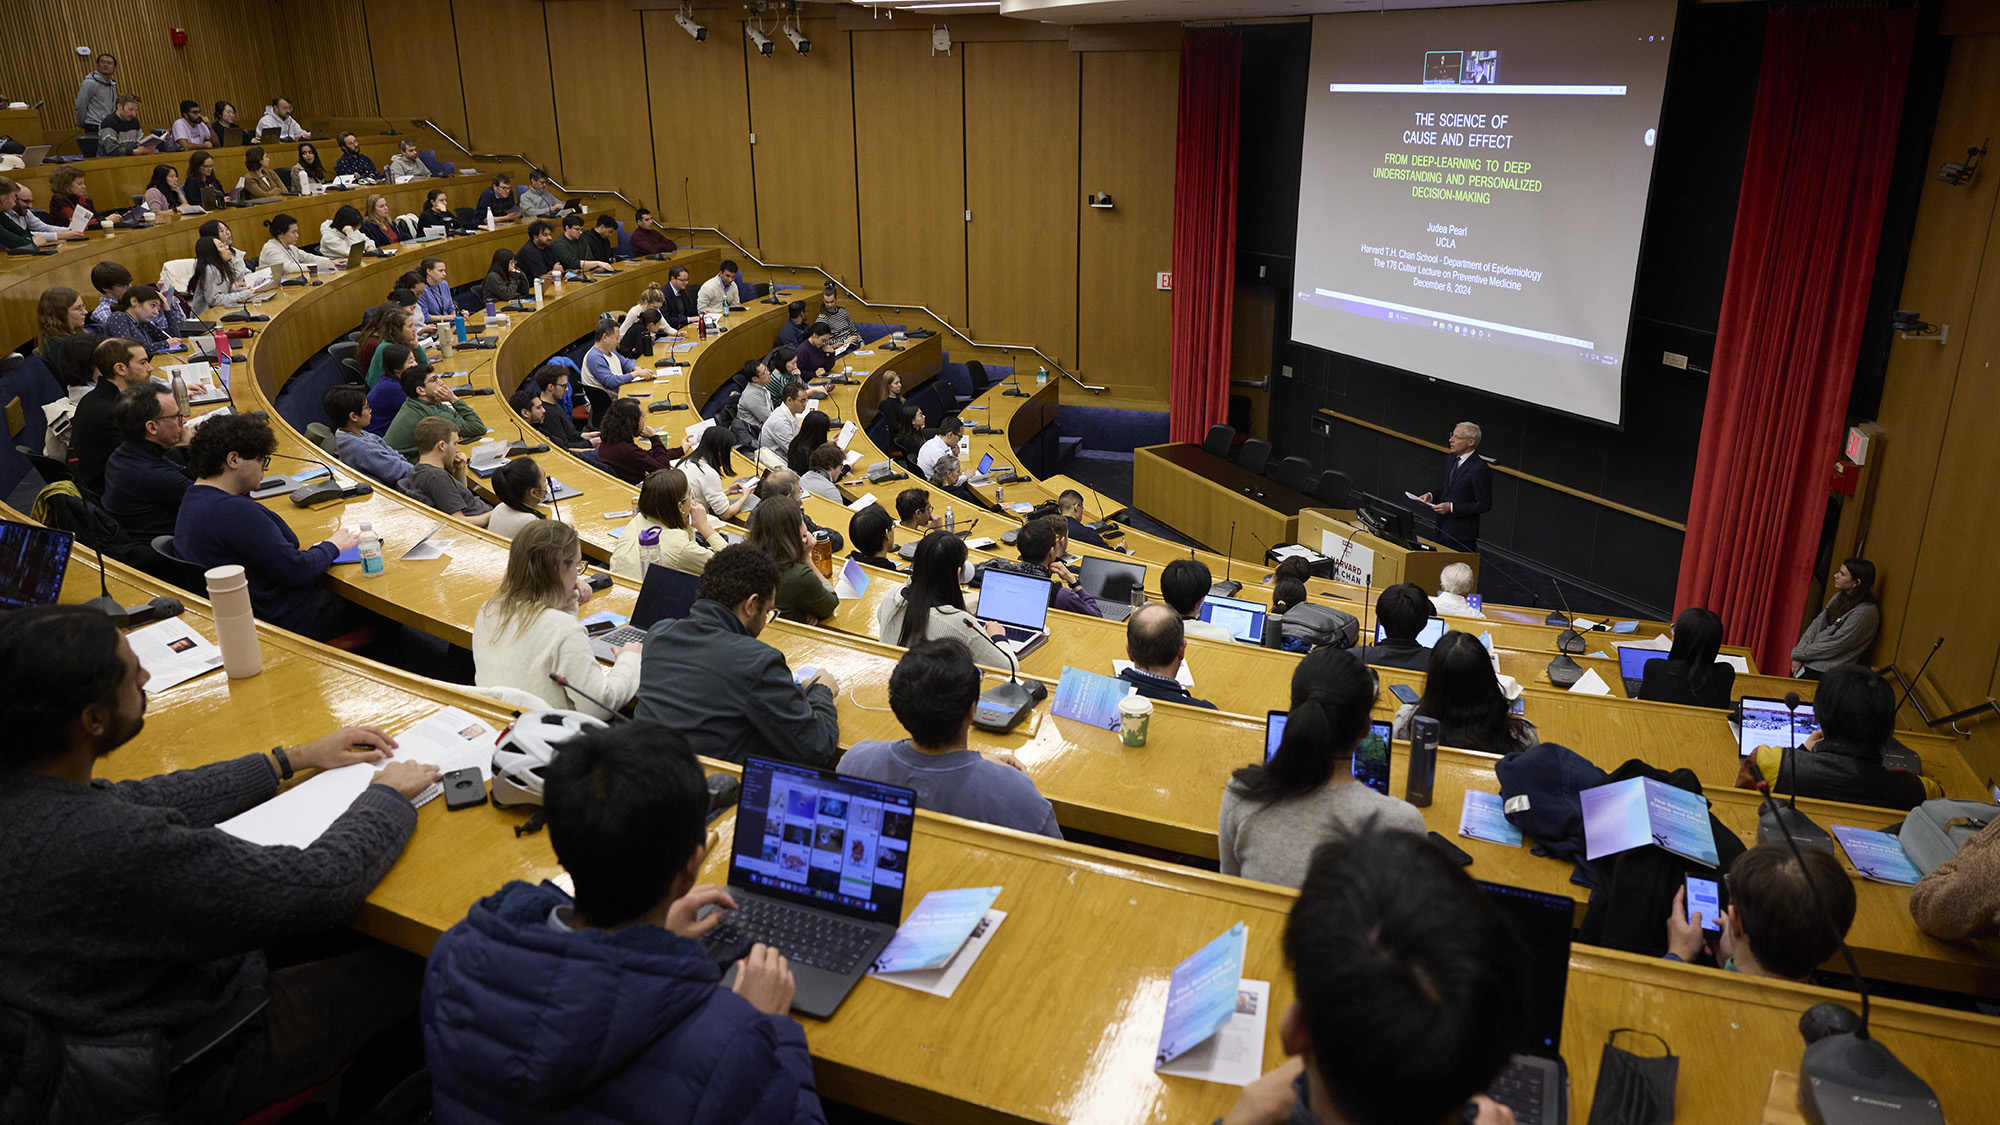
x=1114, y=584
x=1428, y=636
x=1632, y=661
x=354, y=254
x=32, y=155
x=666, y=593
x=816, y=867
x=1018, y=603
x=1763, y=724
x=32, y=562
x=1535, y=1084
x=1244, y=620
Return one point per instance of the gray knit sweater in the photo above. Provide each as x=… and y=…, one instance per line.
x=122, y=908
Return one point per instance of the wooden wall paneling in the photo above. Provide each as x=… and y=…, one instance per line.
x=603, y=121
x=1129, y=104
x=328, y=68
x=417, y=75
x=503, y=52
x=910, y=179
x=232, y=54
x=802, y=113
x=701, y=125
x=1948, y=252
x=1021, y=122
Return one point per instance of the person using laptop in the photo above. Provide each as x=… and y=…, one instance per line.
x=537, y=201
x=934, y=691
x=143, y=482
x=1184, y=583
x=872, y=534
x=683, y=526
x=1401, y=611
x=1070, y=505
x=1156, y=644
x=1469, y=700
x=778, y=529
x=528, y=630
x=932, y=605
x=1842, y=761
x=1455, y=585
x=190, y=130
x=1042, y=543
x=278, y=116
x=516, y=996
x=709, y=677
x=342, y=233
x=1410, y=991
x=948, y=477
x=1691, y=674
x=944, y=443
x=1775, y=925
x=1276, y=813
x=570, y=249
x=282, y=256
x=439, y=476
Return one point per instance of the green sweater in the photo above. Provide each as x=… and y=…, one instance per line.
x=402, y=435
x=570, y=254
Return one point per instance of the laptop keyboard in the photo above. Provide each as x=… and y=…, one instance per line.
x=622, y=635
x=1018, y=634
x=1520, y=1088
x=808, y=936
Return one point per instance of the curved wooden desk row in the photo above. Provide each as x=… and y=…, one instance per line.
x=1089, y=1058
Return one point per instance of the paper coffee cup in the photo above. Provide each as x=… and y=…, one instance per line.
x=1135, y=714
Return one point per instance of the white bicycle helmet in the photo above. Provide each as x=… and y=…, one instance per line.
x=527, y=748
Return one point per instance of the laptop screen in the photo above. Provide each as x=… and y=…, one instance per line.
x=1428, y=636
x=1632, y=661
x=667, y=593
x=1764, y=725
x=1544, y=923
x=32, y=561
x=812, y=836
x=1244, y=620
x=1014, y=599
x=985, y=465
x=1111, y=581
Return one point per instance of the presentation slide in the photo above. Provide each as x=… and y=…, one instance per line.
x=1473, y=191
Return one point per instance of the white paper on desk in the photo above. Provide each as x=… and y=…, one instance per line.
x=980, y=542
x=853, y=455
x=1662, y=642
x=847, y=433
x=944, y=981
x=1741, y=664
x=687, y=347
x=172, y=653
x=449, y=739
x=1233, y=1056
x=1582, y=623
x=867, y=498
x=1185, y=676
x=1591, y=684
x=428, y=549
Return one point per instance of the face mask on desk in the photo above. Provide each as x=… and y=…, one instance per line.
x=1634, y=1089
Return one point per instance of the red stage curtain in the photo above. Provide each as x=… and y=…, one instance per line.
x=1204, y=301
x=1829, y=97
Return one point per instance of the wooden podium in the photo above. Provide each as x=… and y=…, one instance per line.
x=1393, y=563
x=1202, y=496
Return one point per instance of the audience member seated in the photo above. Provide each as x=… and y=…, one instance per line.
x=228, y=133
x=603, y=367
x=637, y=341
x=1042, y=543
x=360, y=448
x=225, y=242
x=569, y=248
x=260, y=180
x=1410, y=991
x=932, y=606
x=1960, y=898
x=1184, y=583
x=709, y=677
x=307, y=170
x=872, y=533
x=67, y=192
x=552, y=382
x=278, y=115
x=816, y=351
x=600, y=241
x=814, y=431
x=281, y=253
x=97, y=95
x=1842, y=760
x=836, y=317
x=619, y=450
x=537, y=201
x=120, y=363
x=891, y=405
x=934, y=691
x=60, y=316
x=652, y=297
x=1455, y=585
x=397, y=326
x=143, y=481
x=437, y=215
x=537, y=257
x=519, y=999
x=214, y=284
x=386, y=397
x=1276, y=813
x=682, y=299
x=201, y=187
x=778, y=529
x=942, y=444
x=342, y=233
x=1469, y=700
x=428, y=397
x=521, y=487
x=1691, y=674
x=435, y=299
x=24, y=217
x=913, y=511
x=406, y=164
x=504, y=280
x=111, y=280
x=1845, y=629
x=784, y=365
x=1775, y=925
x=190, y=130
x=647, y=238
x=719, y=294
x=681, y=525
x=439, y=476
x=794, y=331
x=1402, y=611
x=354, y=162
x=379, y=226
x=528, y=630
x=824, y=471
x=753, y=402
x=911, y=434
x=221, y=526
x=948, y=476
x=136, y=315
x=129, y=913
x=1070, y=505
x=783, y=424
x=498, y=201
x=705, y=465
x=1156, y=644
x=121, y=134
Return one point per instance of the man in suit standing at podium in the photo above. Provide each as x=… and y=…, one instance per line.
x=1467, y=491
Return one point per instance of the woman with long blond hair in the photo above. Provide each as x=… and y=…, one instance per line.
x=529, y=630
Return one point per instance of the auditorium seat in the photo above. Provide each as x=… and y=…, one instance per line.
x=1295, y=473
x=1333, y=488
x=1220, y=438
x=1256, y=452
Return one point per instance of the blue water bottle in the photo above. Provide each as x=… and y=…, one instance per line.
x=491, y=308
x=458, y=325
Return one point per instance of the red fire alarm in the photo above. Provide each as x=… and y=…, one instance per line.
x=178, y=36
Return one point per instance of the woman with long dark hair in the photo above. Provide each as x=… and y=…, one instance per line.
x=437, y=212
x=504, y=279
x=1463, y=693
x=163, y=191
x=910, y=432
x=812, y=434
x=778, y=529
x=932, y=606
x=705, y=467
x=520, y=486
x=201, y=179
x=308, y=169
x=1275, y=813
x=212, y=283
x=620, y=434
x=260, y=180
x=1691, y=674
x=1845, y=630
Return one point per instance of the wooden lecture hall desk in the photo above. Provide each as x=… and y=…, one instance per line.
x=1214, y=501
x=1001, y=1049
x=112, y=181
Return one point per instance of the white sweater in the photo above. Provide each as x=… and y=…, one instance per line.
x=946, y=622
x=552, y=641
x=334, y=243
x=281, y=259
x=678, y=550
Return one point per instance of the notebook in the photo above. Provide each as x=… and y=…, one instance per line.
x=1632, y=663
x=1018, y=603
x=32, y=561
x=817, y=867
x=1535, y=1084
x=1114, y=585
x=1244, y=620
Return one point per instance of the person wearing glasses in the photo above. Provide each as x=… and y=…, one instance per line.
x=143, y=480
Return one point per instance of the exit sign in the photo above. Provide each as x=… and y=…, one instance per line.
x=1163, y=281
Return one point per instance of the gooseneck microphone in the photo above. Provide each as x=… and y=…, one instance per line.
x=159, y=609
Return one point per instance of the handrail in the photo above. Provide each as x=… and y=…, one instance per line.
x=1007, y=349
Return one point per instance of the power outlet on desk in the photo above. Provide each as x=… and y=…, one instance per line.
x=1322, y=425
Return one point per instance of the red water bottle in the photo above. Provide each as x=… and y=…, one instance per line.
x=701, y=326
x=221, y=346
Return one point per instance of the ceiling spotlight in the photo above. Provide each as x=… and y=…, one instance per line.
x=692, y=28
x=800, y=43
x=761, y=40
x=1960, y=173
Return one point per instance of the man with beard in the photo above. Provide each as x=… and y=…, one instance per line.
x=128, y=914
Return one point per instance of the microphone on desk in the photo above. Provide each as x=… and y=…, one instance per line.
x=1001, y=708
x=1911, y=689
x=562, y=682
x=347, y=491
x=1228, y=587
x=159, y=609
